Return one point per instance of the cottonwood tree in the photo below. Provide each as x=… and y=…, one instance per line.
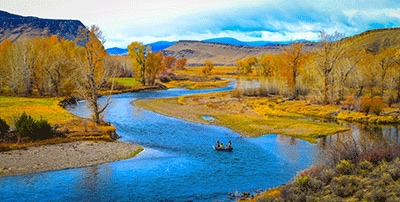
x=385, y=60
x=181, y=63
x=350, y=61
x=94, y=74
x=138, y=54
x=294, y=59
x=330, y=52
x=153, y=67
x=207, y=69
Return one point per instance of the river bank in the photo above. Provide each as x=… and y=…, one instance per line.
x=64, y=156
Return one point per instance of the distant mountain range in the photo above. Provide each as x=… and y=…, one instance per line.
x=161, y=45
x=222, y=51
x=13, y=27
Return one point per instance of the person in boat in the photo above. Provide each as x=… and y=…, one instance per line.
x=229, y=144
x=218, y=144
x=221, y=146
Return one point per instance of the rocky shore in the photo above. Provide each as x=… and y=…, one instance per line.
x=63, y=156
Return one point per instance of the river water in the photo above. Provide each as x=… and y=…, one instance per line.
x=178, y=163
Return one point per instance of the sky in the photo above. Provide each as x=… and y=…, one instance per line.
x=148, y=21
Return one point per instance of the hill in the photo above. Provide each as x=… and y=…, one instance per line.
x=14, y=27
x=196, y=52
x=235, y=42
x=374, y=40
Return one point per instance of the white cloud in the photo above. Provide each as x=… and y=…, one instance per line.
x=124, y=21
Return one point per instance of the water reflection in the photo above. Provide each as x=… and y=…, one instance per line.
x=375, y=133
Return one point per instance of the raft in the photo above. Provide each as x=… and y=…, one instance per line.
x=228, y=149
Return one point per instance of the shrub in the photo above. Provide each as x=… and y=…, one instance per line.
x=372, y=104
x=345, y=167
x=3, y=128
x=345, y=185
x=25, y=125
x=43, y=130
x=36, y=130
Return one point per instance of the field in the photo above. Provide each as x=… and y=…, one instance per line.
x=242, y=115
x=39, y=108
x=49, y=109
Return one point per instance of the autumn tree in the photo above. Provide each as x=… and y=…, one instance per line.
x=396, y=74
x=207, y=69
x=385, y=61
x=121, y=64
x=267, y=66
x=349, y=62
x=246, y=66
x=181, y=63
x=153, y=67
x=95, y=74
x=294, y=59
x=138, y=54
x=168, y=68
x=327, y=57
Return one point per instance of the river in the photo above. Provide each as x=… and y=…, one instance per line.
x=178, y=163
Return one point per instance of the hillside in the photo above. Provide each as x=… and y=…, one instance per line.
x=13, y=27
x=196, y=52
x=374, y=40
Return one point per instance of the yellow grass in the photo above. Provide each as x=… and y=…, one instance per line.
x=241, y=116
x=127, y=81
x=48, y=109
x=192, y=85
x=39, y=108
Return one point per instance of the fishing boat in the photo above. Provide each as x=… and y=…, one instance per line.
x=228, y=149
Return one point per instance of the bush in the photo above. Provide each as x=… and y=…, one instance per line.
x=3, y=128
x=372, y=104
x=36, y=130
x=346, y=185
x=43, y=130
x=25, y=125
x=345, y=167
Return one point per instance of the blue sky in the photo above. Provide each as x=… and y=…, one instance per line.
x=147, y=21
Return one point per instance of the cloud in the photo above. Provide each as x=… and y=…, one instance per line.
x=124, y=21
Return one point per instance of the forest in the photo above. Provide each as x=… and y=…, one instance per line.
x=341, y=71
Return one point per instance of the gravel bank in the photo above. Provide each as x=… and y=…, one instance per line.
x=63, y=156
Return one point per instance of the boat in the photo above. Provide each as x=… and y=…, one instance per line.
x=228, y=149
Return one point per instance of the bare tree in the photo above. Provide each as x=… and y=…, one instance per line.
x=327, y=58
x=94, y=74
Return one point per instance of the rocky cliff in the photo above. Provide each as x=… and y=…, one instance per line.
x=14, y=27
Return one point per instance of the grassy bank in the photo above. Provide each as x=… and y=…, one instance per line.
x=241, y=115
x=75, y=128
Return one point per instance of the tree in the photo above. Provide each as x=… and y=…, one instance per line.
x=207, y=69
x=138, y=53
x=350, y=61
x=327, y=58
x=294, y=58
x=181, y=63
x=385, y=60
x=153, y=67
x=95, y=74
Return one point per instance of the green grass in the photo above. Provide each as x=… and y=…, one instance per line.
x=127, y=81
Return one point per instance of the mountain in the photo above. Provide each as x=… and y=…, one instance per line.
x=235, y=42
x=14, y=27
x=161, y=45
x=117, y=51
